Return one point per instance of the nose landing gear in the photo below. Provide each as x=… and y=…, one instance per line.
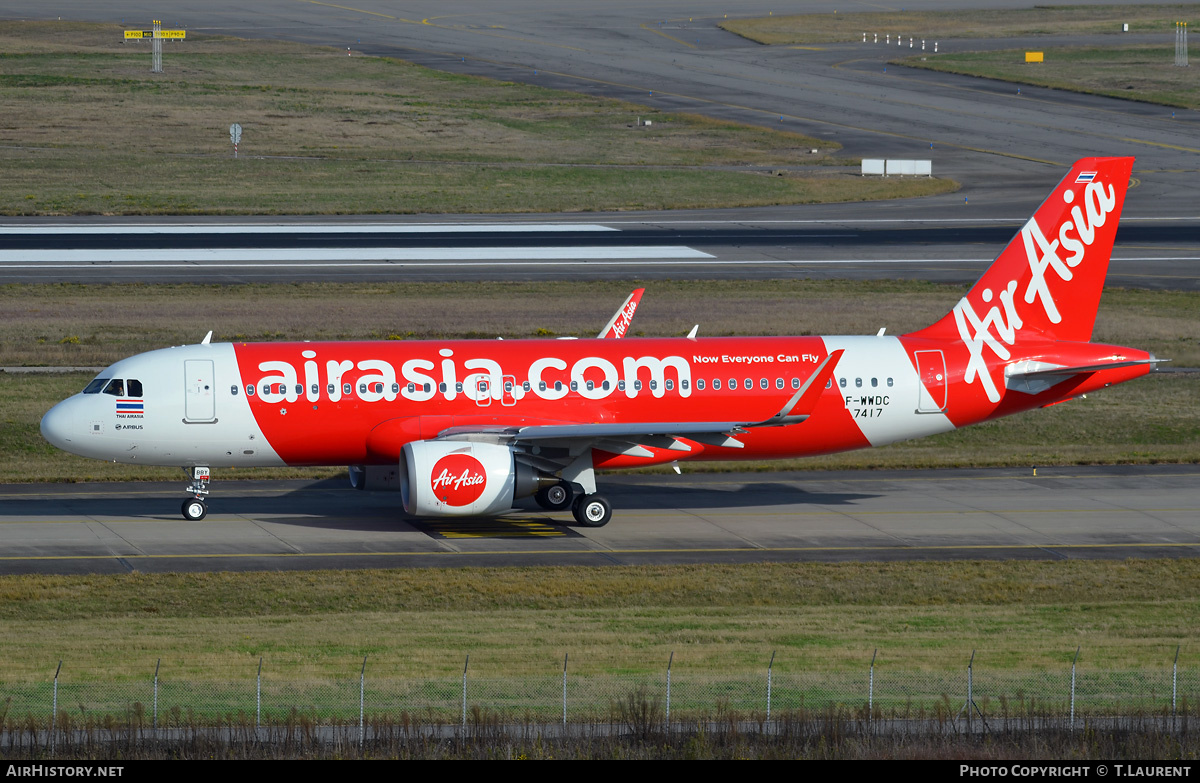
x=194, y=508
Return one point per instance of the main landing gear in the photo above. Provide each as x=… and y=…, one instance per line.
x=591, y=510
x=194, y=508
x=588, y=510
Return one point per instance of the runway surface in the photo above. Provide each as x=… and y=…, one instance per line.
x=1150, y=253
x=1072, y=512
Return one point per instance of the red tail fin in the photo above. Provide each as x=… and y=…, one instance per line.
x=1048, y=281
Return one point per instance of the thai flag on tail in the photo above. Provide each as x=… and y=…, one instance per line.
x=130, y=406
x=1085, y=176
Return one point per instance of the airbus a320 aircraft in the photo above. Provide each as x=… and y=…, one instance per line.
x=467, y=427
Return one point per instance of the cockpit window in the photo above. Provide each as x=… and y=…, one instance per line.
x=135, y=388
x=95, y=386
x=115, y=387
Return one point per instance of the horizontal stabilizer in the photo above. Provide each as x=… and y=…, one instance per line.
x=1032, y=377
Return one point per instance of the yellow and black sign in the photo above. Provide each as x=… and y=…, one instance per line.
x=155, y=34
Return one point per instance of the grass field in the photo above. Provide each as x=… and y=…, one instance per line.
x=964, y=23
x=85, y=128
x=1143, y=73
x=518, y=622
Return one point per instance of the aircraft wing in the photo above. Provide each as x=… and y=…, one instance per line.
x=631, y=438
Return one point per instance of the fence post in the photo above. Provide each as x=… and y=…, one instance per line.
x=155, y=724
x=871, y=687
x=669, y=662
x=362, y=688
x=1174, y=685
x=565, y=655
x=1073, y=663
x=970, y=685
x=464, y=692
x=770, y=668
x=258, y=698
x=54, y=708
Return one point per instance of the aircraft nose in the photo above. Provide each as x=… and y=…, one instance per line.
x=58, y=425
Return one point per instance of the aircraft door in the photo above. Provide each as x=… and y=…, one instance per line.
x=199, y=400
x=931, y=369
x=483, y=392
x=508, y=397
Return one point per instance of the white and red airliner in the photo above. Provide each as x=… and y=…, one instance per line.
x=467, y=427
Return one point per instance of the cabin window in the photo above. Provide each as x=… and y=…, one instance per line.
x=316, y=389
x=362, y=388
x=779, y=383
x=574, y=385
x=115, y=387
x=428, y=387
x=442, y=387
x=299, y=389
x=716, y=384
x=347, y=388
x=670, y=384
x=458, y=387
x=233, y=390
x=796, y=383
x=858, y=383
x=683, y=384
x=135, y=388
x=605, y=385
x=525, y=386
x=889, y=381
x=874, y=382
x=732, y=384
x=842, y=382
x=699, y=384
x=828, y=383
x=558, y=386
x=541, y=386
x=249, y=390
x=412, y=387
x=653, y=385
x=95, y=386
x=621, y=385
x=396, y=388
x=266, y=388
x=750, y=383
x=508, y=387
x=763, y=384
x=637, y=385
x=591, y=385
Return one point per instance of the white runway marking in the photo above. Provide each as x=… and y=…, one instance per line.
x=301, y=228
x=141, y=257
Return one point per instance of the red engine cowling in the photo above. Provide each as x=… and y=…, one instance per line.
x=463, y=478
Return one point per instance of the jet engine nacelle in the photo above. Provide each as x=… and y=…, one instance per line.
x=463, y=478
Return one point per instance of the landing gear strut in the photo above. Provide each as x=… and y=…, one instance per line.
x=194, y=508
x=591, y=510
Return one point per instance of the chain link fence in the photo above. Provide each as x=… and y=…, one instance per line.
x=970, y=697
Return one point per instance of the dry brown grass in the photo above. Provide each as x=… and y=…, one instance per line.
x=717, y=618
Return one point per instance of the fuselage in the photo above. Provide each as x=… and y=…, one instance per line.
x=350, y=403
